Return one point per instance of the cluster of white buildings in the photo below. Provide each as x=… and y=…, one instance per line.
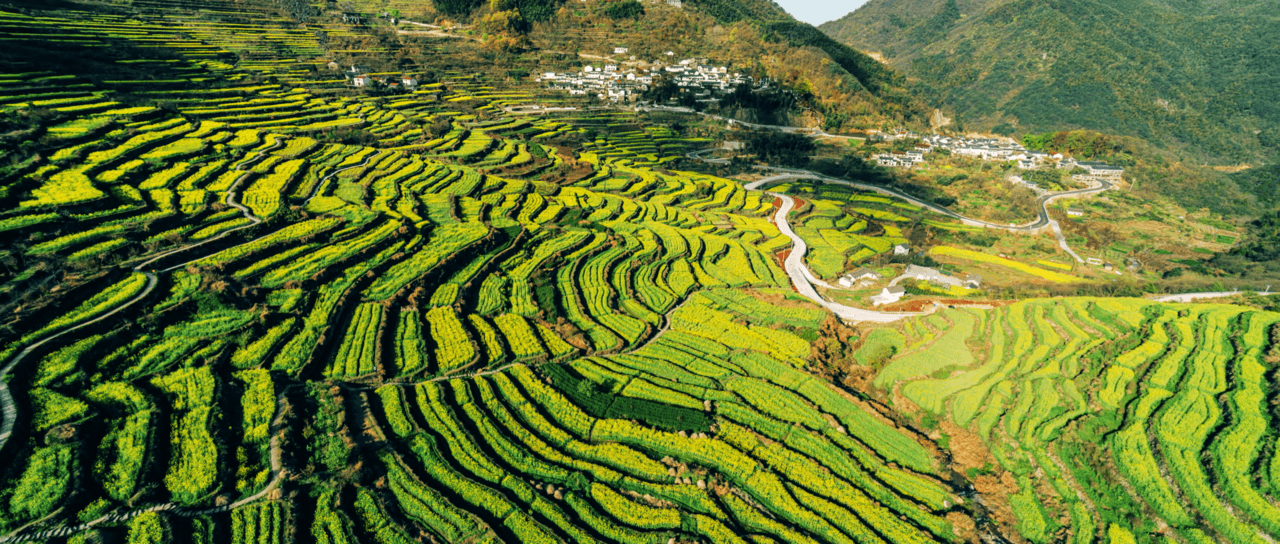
x=357, y=76
x=894, y=292
x=994, y=149
x=615, y=83
x=1094, y=169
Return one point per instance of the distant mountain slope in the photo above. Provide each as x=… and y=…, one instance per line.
x=1174, y=72
x=842, y=88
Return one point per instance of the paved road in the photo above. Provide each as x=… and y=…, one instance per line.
x=802, y=279
x=1042, y=220
x=1040, y=223
x=1189, y=297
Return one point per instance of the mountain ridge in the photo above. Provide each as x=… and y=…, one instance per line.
x=1181, y=74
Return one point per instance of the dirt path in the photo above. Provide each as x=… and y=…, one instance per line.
x=435, y=34
x=10, y=410
x=277, y=478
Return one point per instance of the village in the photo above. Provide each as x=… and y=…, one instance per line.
x=612, y=82
x=1091, y=174
x=359, y=76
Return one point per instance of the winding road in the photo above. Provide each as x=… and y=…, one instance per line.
x=1042, y=220
x=803, y=279
x=9, y=408
x=1042, y=214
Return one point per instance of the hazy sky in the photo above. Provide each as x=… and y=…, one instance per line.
x=816, y=12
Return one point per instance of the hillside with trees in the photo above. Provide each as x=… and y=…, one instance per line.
x=836, y=87
x=1187, y=76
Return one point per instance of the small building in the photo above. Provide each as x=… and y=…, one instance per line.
x=972, y=281
x=922, y=273
x=888, y=295
x=1075, y=212
x=361, y=81
x=848, y=280
x=1094, y=261
x=864, y=274
x=902, y=249
x=409, y=83
x=620, y=50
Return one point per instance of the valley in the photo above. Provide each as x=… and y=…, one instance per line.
x=276, y=271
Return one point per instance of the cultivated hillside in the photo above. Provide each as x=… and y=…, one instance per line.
x=1176, y=73
x=247, y=303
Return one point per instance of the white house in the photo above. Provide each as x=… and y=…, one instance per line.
x=901, y=249
x=620, y=50
x=360, y=81
x=888, y=295
x=1075, y=212
x=858, y=275
x=409, y=82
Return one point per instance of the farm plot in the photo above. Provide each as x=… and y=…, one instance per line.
x=1032, y=388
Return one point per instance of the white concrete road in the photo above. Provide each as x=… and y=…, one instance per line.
x=1191, y=297
x=801, y=278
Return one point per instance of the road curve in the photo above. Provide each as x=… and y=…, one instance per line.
x=1042, y=220
x=802, y=279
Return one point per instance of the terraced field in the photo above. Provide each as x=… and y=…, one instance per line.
x=1104, y=418
x=244, y=305
x=228, y=325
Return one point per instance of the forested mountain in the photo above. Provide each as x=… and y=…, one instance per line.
x=837, y=86
x=1182, y=74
